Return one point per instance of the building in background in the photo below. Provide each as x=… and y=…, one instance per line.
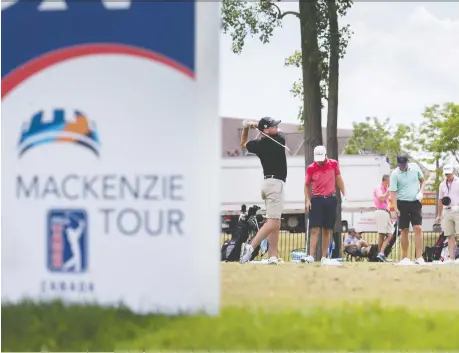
x=232, y=129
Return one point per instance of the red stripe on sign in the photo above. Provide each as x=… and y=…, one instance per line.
x=32, y=67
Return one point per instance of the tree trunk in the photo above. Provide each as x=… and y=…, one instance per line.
x=332, y=112
x=312, y=105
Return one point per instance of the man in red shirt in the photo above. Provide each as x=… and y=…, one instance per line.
x=321, y=177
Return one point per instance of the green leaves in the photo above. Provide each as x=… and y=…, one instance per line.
x=439, y=132
x=438, y=135
x=323, y=36
x=260, y=19
x=376, y=136
x=297, y=90
x=242, y=19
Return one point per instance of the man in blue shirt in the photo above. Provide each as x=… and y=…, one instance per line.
x=355, y=239
x=407, y=188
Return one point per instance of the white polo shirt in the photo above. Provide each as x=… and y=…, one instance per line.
x=450, y=189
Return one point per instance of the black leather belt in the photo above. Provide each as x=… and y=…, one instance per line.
x=274, y=177
x=323, y=196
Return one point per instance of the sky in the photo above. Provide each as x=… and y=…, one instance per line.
x=401, y=58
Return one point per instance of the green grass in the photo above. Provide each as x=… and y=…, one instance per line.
x=53, y=327
x=359, y=306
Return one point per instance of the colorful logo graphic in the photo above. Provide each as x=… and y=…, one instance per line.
x=67, y=241
x=81, y=131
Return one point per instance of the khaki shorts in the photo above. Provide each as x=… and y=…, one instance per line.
x=272, y=191
x=450, y=222
x=383, y=224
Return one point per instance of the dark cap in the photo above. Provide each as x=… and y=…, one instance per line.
x=353, y=230
x=266, y=122
x=402, y=159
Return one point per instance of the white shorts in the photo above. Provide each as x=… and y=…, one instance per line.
x=450, y=222
x=272, y=192
x=383, y=223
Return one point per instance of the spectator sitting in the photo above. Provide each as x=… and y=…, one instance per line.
x=354, y=241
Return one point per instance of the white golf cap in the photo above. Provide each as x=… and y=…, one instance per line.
x=448, y=169
x=319, y=153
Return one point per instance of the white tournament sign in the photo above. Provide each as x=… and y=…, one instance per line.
x=110, y=140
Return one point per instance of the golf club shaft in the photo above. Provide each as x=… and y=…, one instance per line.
x=280, y=144
x=307, y=236
x=396, y=239
x=330, y=247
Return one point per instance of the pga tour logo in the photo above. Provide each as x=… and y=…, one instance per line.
x=67, y=237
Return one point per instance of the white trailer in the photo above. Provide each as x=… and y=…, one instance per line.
x=241, y=178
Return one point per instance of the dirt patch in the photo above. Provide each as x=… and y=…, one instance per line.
x=301, y=286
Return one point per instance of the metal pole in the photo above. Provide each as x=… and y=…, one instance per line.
x=437, y=167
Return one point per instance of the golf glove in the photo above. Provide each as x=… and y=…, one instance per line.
x=455, y=209
x=245, y=123
x=419, y=196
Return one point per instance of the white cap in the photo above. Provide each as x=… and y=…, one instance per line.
x=448, y=169
x=319, y=153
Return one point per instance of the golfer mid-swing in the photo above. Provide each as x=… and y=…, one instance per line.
x=271, y=152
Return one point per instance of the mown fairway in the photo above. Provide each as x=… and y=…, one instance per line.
x=299, y=286
x=363, y=306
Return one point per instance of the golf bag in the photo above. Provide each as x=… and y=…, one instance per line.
x=353, y=250
x=439, y=251
x=247, y=227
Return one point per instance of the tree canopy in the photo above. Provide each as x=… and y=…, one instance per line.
x=257, y=18
x=439, y=132
x=323, y=43
x=324, y=34
x=437, y=137
x=378, y=136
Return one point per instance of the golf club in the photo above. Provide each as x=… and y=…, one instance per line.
x=307, y=236
x=306, y=239
x=396, y=238
x=330, y=248
x=280, y=144
x=261, y=132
